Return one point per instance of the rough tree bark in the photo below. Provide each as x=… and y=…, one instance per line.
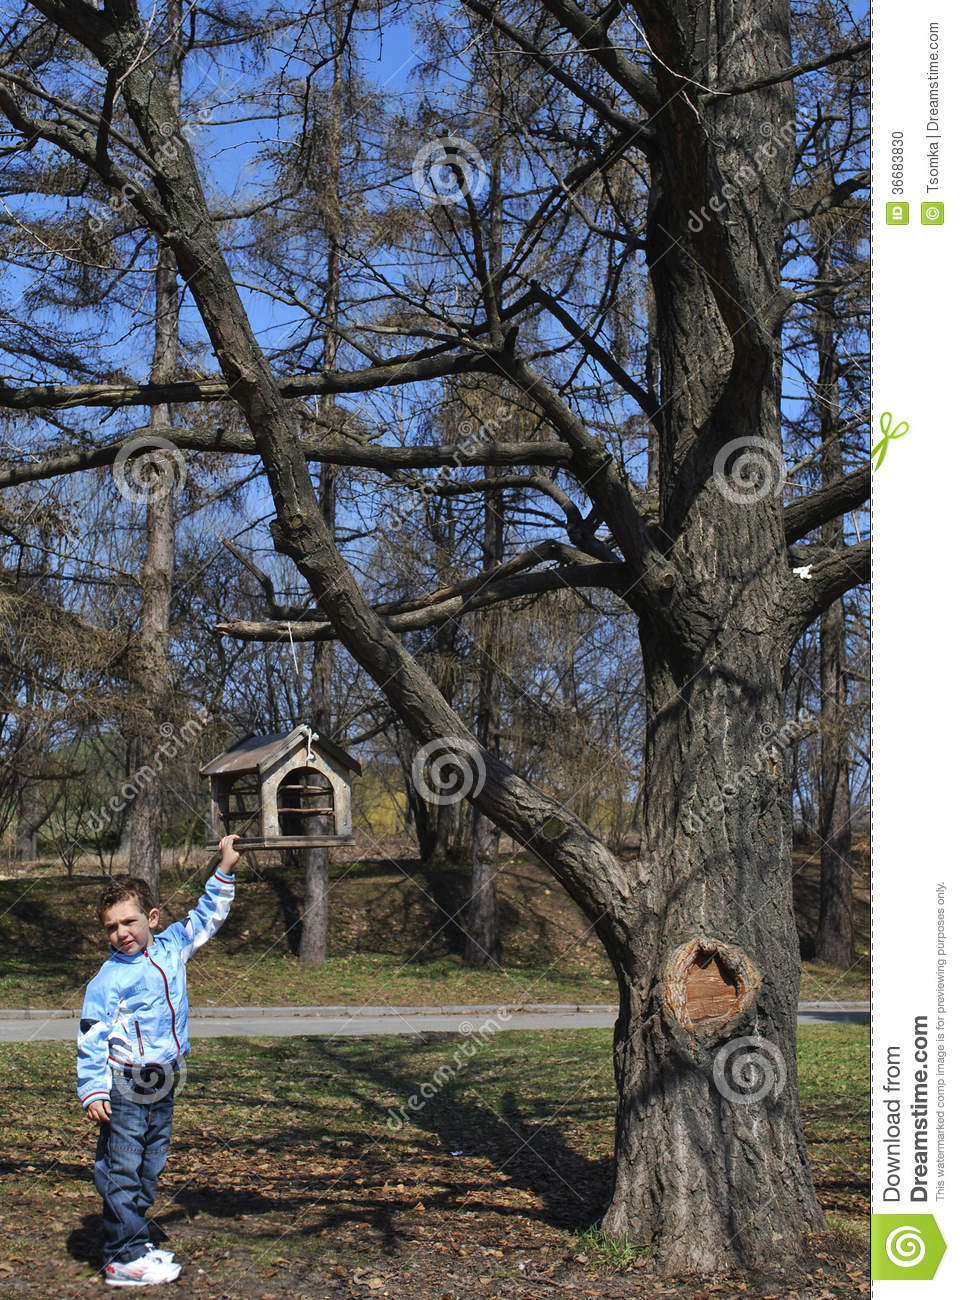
x=149, y=671
x=149, y=668
x=715, y=656
x=711, y=1169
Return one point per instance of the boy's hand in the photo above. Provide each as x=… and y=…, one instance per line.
x=99, y=1111
x=229, y=856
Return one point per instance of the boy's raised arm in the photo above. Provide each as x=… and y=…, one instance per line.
x=204, y=920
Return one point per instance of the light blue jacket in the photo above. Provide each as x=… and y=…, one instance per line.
x=135, y=1007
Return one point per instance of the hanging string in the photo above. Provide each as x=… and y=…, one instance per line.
x=293, y=652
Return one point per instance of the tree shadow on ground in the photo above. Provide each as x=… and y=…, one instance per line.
x=49, y=930
x=466, y=1151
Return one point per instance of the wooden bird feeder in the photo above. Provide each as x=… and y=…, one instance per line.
x=281, y=792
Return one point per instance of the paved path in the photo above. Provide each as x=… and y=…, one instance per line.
x=22, y=1026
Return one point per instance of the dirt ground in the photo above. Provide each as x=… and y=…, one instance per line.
x=288, y=1176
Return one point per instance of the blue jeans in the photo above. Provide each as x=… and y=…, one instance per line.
x=131, y=1152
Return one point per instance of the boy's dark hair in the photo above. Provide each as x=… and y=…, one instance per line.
x=122, y=887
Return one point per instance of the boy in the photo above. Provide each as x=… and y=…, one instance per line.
x=131, y=1044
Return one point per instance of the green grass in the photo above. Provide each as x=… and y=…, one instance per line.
x=820, y=983
x=220, y=978
x=614, y=1254
x=835, y=1089
x=285, y=1158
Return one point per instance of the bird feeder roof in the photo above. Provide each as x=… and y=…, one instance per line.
x=256, y=753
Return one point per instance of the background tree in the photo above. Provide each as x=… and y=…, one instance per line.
x=149, y=662
x=828, y=352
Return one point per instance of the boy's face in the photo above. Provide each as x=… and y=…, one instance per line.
x=129, y=929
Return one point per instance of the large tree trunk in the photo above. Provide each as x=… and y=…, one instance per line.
x=835, y=934
x=314, y=930
x=711, y=1165
x=483, y=939
x=316, y=861
x=32, y=812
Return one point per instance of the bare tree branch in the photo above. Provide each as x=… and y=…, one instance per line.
x=593, y=349
x=598, y=574
x=840, y=194
x=592, y=37
x=801, y=517
x=796, y=70
x=388, y=460
x=826, y=581
x=550, y=551
x=614, y=117
x=401, y=370
x=599, y=476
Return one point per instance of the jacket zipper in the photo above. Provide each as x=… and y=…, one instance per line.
x=166, y=989
x=139, y=1039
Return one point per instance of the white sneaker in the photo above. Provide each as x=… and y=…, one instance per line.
x=145, y=1271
